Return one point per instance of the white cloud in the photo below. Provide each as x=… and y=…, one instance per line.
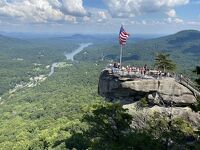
x=172, y=17
x=71, y=19
x=86, y=18
x=55, y=3
x=74, y=7
x=174, y=20
x=131, y=8
x=134, y=22
x=178, y=20
x=41, y=11
x=171, y=13
x=102, y=16
x=169, y=20
x=2, y=3
x=98, y=15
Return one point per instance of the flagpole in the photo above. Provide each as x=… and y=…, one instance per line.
x=120, y=58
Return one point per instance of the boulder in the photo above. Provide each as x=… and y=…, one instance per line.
x=158, y=91
x=142, y=97
x=141, y=116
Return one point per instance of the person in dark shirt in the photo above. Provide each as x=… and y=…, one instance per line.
x=145, y=68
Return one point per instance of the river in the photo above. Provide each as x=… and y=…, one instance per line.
x=70, y=56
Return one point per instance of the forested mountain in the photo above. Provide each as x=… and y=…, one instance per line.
x=9, y=40
x=19, y=56
x=64, y=110
x=99, y=38
x=184, y=47
x=188, y=41
x=7, y=43
x=22, y=59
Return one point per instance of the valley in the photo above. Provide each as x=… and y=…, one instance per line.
x=99, y=75
x=55, y=87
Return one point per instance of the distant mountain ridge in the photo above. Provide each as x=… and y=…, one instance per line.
x=187, y=41
x=6, y=41
x=183, y=47
x=98, y=38
x=183, y=37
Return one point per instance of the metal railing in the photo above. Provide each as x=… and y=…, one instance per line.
x=187, y=82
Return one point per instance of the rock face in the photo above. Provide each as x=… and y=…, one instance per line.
x=161, y=95
x=140, y=116
x=157, y=92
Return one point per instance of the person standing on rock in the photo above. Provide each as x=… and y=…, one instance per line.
x=181, y=77
x=145, y=68
x=168, y=74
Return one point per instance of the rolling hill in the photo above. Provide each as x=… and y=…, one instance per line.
x=50, y=114
x=18, y=58
x=97, y=38
x=184, y=48
x=188, y=41
x=9, y=42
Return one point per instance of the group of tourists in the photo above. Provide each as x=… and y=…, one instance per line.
x=116, y=68
x=134, y=70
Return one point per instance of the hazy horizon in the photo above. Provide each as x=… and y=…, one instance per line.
x=59, y=34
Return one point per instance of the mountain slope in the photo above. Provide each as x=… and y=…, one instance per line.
x=184, y=48
x=22, y=59
x=8, y=41
x=188, y=41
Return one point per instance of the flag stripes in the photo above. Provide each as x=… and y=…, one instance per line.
x=123, y=36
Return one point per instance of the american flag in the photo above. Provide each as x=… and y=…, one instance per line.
x=123, y=36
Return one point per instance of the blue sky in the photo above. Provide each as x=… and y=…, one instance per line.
x=99, y=16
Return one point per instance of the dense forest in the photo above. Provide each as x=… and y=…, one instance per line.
x=49, y=112
x=23, y=59
x=65, y=111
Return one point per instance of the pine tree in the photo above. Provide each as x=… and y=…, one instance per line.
x=163, y=62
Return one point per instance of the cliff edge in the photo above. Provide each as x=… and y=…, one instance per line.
x=164, y=95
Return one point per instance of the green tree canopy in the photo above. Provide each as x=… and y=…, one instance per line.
x=164, y=63
x=109, y=127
